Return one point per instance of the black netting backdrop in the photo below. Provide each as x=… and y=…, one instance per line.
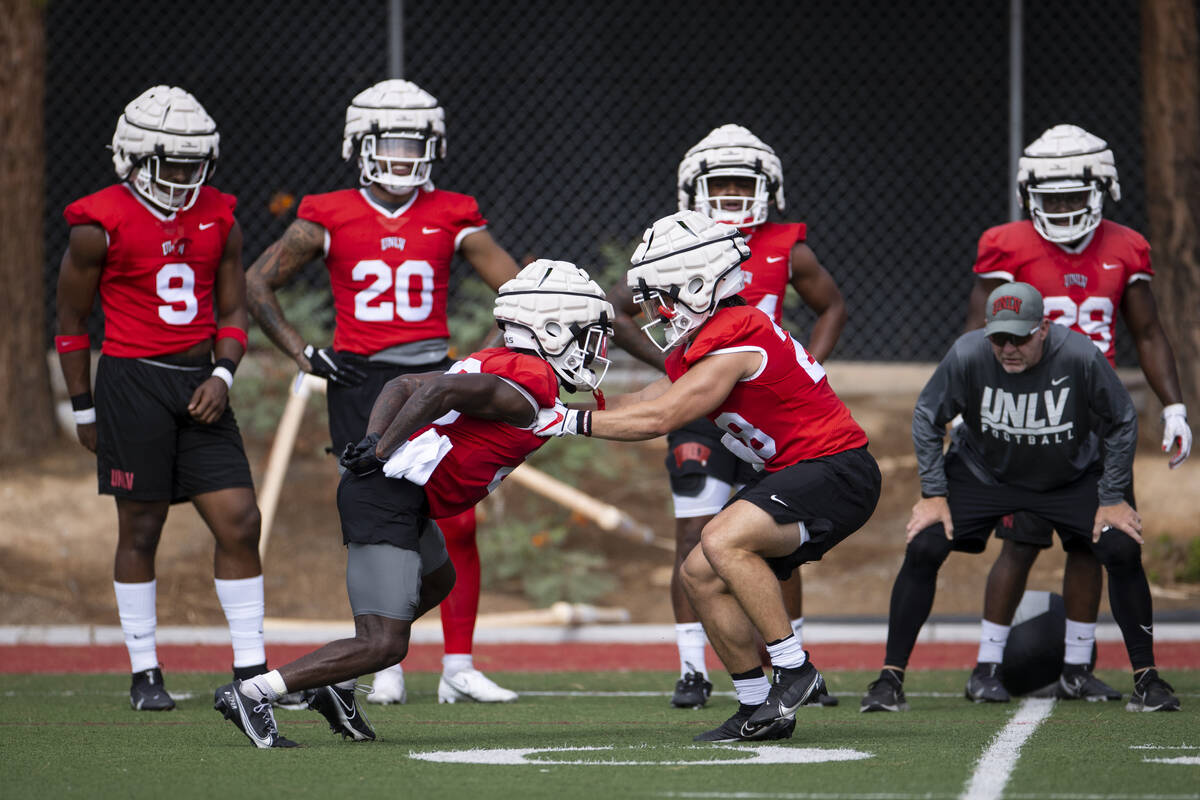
x=567, y=119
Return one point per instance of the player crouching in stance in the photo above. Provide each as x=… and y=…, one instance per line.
x=817, y=483
x=437, y=443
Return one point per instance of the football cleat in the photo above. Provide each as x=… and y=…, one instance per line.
x=389, y=687
x=1152, y=693
x=692, y=690
x=886, y=693
x=1078, y=683
x=147, y=693
x=739, y=728
x=984, y=685
x=791, y=689
x=341, y=710
x=471, y=684
x=252, y=717
x=822, y=697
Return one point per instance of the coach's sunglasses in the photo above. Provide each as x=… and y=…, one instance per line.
x=1002, y=339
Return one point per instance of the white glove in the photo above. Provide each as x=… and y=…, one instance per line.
x=557, y=421
x=1175, y=428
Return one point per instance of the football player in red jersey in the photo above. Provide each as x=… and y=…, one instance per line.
x=388, y=248
x=816, y=482
x=165, y=254
x=733, y=177
x=436, y=444
x=1088, y=269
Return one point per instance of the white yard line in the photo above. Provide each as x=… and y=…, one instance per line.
x=997, y=762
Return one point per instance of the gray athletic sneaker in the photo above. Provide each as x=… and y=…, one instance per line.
x=984, y=685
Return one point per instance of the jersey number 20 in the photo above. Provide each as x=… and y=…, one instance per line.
x=413, y=303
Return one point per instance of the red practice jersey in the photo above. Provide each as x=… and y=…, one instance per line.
x=1082, y=290
x=390, y=270
x=769, y=268
x=483, y=451
x=156, y=285
x=783, y=414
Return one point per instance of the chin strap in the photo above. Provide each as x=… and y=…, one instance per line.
x=599, y=397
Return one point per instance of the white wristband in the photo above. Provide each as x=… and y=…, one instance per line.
x=1175, y=410
x=85, y=417
x=224, y=374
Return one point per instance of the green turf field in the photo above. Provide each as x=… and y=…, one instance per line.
x=71, y=735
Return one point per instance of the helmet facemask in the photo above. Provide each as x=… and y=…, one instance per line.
x=746, y=210
x=1081, y=218
x=170, y=183
x=380, y=153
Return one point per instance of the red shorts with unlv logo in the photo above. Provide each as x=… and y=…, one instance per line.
x=148, y=447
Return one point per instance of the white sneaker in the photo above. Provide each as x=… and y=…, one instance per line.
x=471, y=684
x=389, y=687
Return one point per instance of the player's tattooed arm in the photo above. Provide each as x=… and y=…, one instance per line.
x=820, y=292
x=302, y=242
x=78, y=281
x=626, y=332
x=475, y=394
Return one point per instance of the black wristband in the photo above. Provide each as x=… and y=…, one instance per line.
x=929, y=496
x=585, y=423
x=227, y=363
x=81, y=401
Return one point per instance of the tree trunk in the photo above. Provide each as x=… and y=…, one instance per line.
x=26, y=413
x=1171, y=122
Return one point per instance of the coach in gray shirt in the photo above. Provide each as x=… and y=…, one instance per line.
x=1047, y=428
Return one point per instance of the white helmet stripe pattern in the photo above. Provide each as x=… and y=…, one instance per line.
x=556, y=310
x=400, y=110
x=1066, y=160
x=730, y=151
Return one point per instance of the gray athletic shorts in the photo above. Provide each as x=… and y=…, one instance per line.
x=385, y=580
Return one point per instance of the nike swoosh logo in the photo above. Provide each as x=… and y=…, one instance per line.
x=430, y=230
x=773, y=259
x=558, y=417
x=205, y=225
x=247, y=726
x=1149, y=629
x=348, y=709
x=1111, y=266
x=775, y=497
x=1057, y=381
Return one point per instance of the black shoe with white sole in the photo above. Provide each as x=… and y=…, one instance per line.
x=147, y=693
x=1152, y=693
x=1078, y=683
x=790, y=689
x=252, y=717
x=739, y=728
x=985, y=686
x=692, y=691
x=886, y=693
x=341, y=710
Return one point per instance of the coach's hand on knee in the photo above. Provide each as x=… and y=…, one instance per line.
x=929, y=511
x=1121, y=516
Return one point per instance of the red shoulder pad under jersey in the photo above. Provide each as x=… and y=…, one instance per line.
x=531, y=373
x=768, y=271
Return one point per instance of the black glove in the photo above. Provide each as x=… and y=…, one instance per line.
x=333, y=367
x=360, y=458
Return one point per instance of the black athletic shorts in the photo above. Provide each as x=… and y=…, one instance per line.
x=147, y=445
x=695, y=452
x=1028, y=528
x=350, y=406
x=976, y=508
x=833, y=496
x=376, y=509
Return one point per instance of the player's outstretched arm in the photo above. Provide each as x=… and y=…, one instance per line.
x=229, y=294
x=78, y=280
x=820, y=292
x=479, y=395
x=302, y=242
x=626, y=333
x=1158, y=363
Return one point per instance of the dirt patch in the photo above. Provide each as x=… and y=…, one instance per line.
x=57, y=538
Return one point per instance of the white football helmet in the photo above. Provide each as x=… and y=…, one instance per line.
x=1066, y=160
x=556, y=310
x=685, y=265
x=731, y=151
x=393, y=124
x=165, y=145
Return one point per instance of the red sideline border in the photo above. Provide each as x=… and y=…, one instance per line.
x=536, y=657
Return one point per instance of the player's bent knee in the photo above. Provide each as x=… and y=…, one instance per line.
x=930, y=547
x=1116, y=549
x=1020, y=554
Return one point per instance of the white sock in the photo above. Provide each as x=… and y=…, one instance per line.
x=267, y=686
x=394, y=669
x=992, y=638
x=1080, y=639
x=787, y=653
x=690, y=639
x=242, y=600
x=139, y=619
x=752, y=691
x=798, y=630
x=454, y=663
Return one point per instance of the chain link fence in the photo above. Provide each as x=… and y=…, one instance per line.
x=568, y=118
